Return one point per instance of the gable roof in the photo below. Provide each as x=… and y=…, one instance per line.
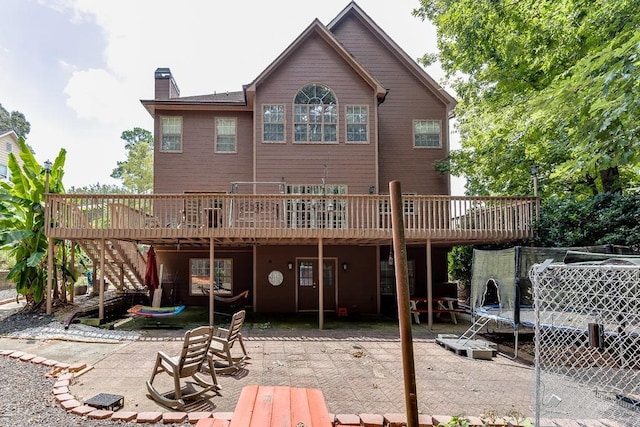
x=8, y=132
x=244, y=99
x=318, y=28
x=353, y=10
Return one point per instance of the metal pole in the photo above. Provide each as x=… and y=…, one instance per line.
x=404, y=314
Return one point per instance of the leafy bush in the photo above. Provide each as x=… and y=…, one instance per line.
x=607, y=218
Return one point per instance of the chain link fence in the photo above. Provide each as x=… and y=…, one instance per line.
x=587, y=341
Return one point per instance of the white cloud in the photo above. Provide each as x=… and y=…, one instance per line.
x=97, y=94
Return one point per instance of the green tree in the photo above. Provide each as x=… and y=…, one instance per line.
x=136, y=172
x=98, y=188
x=22, y=222
x=605, y=219
x=545, y=82
x=16, y=121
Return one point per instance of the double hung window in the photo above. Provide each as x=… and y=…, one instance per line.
x=171, y=128
x=357, y=123
x=225, y=135
x=426, y=134
x=273, y=123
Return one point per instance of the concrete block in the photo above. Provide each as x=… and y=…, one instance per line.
x=100, y=414
x=395, y=420
x=68, y=405
x=347, y=420
x=125, y=416
x=173, y=417
x=372, y=420
x=148, y=417
x=82, y=410
x=194, y=417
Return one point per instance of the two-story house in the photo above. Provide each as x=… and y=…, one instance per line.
x=281, y=188
x=8, y=144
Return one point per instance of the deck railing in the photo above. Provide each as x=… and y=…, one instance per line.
x=286, y=216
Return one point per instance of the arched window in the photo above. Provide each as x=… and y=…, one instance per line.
x=315, y=115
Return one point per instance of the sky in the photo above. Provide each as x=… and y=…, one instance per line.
x=77, y=69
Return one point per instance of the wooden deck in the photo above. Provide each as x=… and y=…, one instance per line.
x=286, y=218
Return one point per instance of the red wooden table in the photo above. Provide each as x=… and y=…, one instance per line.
x=278, y=406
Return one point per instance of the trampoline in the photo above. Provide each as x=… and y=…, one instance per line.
x=502, y=291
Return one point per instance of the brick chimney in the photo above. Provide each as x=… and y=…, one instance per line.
x=166, y=87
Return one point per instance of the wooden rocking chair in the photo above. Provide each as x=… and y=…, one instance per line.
x=192, y=362
x=223, y=341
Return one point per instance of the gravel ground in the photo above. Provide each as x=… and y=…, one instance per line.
x=25, y=392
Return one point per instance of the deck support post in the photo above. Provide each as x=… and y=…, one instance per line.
x=50, y=256
x=72, y=262
x=211, y=279
x=404, y=313
x=321, y=283
x=429, y=287
x=101, y=281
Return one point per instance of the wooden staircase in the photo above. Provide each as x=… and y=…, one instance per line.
x=124, y=264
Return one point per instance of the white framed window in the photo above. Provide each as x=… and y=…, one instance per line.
x=171, y=129
x=427, y=134
x=273, y=123
x=222, y=276
x=9, y=147
x=388, y=277
x=226, y=135
x=357, y=123
x=329, y=211
x=4, y=171
x=315, y=115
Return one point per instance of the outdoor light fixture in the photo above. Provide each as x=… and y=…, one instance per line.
x=391, y=255
x=344, y=266
x=47, y=170
x=290, y=265
x=372, y=189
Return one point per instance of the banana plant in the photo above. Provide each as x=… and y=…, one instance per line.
x=22, y=220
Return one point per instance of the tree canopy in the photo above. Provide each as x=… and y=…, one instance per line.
x=555, y=84
x=136, y=172
x=15, y=121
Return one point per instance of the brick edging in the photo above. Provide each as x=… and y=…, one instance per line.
x=65, y=374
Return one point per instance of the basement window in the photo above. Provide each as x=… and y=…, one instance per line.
x=222, y=277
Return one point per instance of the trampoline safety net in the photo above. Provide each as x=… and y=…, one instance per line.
x=587, y=341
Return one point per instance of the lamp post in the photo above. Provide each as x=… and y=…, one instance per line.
x=47, y=170
x=534, y=174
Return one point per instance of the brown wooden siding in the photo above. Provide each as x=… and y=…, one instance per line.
x=357, y=287
x=408, y=99
x=198, y=167
x=350, y=164
x=176, y=267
